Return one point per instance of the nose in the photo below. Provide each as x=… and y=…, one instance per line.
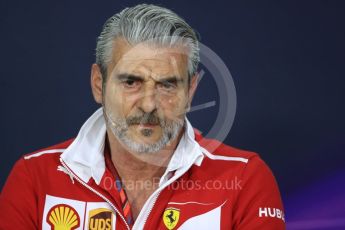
x=148, y=98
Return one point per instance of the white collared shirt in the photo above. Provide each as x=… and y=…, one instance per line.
x=85, y=156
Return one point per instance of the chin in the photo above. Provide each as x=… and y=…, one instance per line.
x=139, y=145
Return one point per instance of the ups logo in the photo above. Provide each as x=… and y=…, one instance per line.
x=100, y=219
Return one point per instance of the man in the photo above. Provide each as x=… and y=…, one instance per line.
x=137, y=162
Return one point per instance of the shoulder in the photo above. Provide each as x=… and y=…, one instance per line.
x=216, y=151
x=221, y=158
x=58, y=148
x=43, y=158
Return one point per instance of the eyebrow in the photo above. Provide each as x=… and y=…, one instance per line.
x=126, y=76
x=170, y=79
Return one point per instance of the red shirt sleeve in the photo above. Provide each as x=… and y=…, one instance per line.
x=258, y=204
x=18, y=200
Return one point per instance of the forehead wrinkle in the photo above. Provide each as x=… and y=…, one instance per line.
x=126, y=55
x=149, y=69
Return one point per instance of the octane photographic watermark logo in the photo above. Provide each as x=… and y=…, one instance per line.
x=234, y=183
x=227, y=95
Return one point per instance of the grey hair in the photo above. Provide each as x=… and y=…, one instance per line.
x=143, y=23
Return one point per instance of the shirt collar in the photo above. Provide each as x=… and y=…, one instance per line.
x=85, y=155
x=187, y=153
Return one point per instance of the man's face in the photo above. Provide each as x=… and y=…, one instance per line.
x=146, y=95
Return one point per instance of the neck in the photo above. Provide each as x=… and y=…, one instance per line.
x=140, y=166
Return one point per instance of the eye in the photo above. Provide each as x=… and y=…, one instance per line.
x=166, y=85
x=131, y=84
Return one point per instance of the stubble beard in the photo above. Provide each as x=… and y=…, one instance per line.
x=120, y=129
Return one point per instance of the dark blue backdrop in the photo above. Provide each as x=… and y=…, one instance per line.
x=287, y=61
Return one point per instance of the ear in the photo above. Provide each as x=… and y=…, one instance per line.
x=96, y=83
x=192, y=88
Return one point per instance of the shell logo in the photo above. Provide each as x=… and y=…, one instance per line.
x=63, y=217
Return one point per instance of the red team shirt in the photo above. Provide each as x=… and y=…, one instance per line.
x=207, y=185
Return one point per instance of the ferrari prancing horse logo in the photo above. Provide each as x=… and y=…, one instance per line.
x=171, y=217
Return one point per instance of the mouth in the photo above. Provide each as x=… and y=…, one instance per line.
x=146, y=126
